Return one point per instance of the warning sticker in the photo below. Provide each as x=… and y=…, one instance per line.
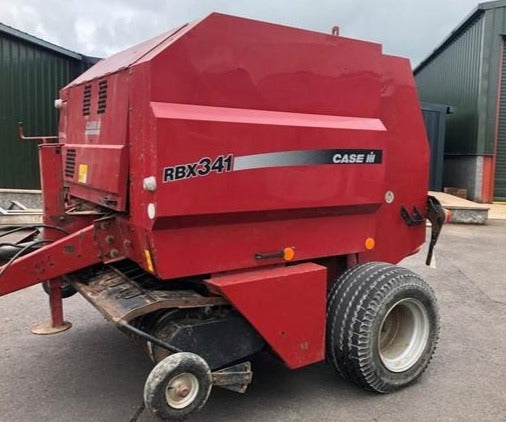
x=83, y=173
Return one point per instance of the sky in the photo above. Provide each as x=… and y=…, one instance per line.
x=409, y=28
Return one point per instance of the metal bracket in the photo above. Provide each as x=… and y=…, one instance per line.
x=43, y=138
x=235, y=378
x=109, y=239
x=412, y=220
x=436, y=215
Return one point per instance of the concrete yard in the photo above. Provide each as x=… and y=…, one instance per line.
x=94, y=373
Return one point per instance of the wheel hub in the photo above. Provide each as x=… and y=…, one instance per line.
x=404, y=334
x=182, y=390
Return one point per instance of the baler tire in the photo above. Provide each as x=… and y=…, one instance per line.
x=382, y=326
x=67, y=290
x=160, y=395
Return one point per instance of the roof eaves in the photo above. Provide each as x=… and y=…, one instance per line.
x=37, y=41
x=468, y=21
x=491, y=5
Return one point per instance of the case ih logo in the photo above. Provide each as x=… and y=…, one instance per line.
x=369, y=158
x=227, y=163
x=92, y=128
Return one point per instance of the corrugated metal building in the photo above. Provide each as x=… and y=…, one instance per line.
x=468, y=71
x=31, y=73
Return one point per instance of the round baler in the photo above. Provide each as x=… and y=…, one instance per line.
x=234, y=186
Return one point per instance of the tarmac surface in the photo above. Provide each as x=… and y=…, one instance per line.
x=95, y=373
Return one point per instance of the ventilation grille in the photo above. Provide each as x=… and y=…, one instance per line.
x=102, y=96
x=87, y=100
x=70, y=164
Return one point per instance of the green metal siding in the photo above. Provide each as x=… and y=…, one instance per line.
x=464, y=71
x=453, y=77
x=30, y=78
x=495, y=25
x=500, y=169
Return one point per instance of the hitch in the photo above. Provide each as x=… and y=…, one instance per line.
x=436, y=215
x=235, y=378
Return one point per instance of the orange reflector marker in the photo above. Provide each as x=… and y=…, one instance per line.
x=369, y=243
x=288, y=254
x=149, y=261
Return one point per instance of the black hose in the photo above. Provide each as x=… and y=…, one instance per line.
x=35, y=226
x=8, y=250
x=21, y=252
x=11, y=245
x=149, y=337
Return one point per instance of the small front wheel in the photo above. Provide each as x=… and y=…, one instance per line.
x=178, y=386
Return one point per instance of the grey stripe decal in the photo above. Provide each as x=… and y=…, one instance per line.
x=227, y=163
x=308, y=157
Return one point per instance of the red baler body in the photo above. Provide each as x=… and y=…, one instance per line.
x=220, y=144
x=225, y=87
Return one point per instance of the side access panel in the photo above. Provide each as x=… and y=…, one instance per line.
x=286, y=305
x=248, y=182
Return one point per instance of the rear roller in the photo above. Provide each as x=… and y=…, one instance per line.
x=178, y=386
x=382, y=326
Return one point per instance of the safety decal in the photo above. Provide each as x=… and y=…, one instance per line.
x=227, y=163
x=82, y=175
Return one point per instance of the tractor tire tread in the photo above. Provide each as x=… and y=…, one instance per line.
x=354, y=300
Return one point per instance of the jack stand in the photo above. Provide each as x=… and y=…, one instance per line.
x=57, y=324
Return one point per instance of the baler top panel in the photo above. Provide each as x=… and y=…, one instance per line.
x=126, y=58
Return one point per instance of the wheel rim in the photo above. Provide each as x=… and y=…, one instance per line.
x=182, y=390
x=404, y=334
